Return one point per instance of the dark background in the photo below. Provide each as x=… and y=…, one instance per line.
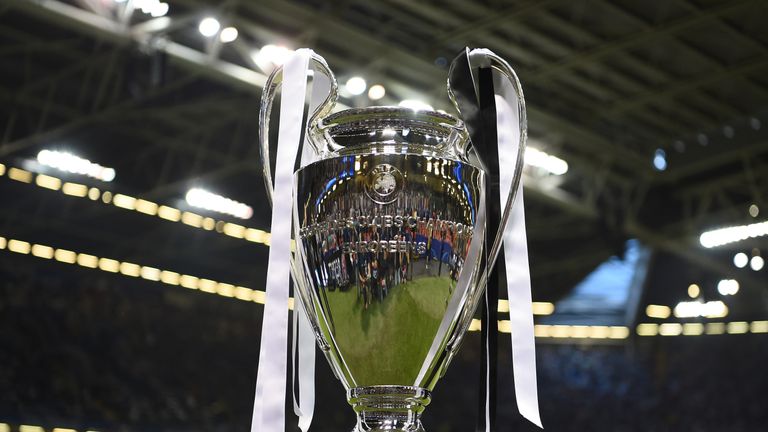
x=607, y=83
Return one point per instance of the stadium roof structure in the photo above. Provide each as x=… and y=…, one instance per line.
x=610, y=86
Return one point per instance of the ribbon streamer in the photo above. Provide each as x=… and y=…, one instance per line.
x=485, y=137
x=471, y=79
x=269, y=403
x=304, y=404
x=304, y=407
x=508, y=109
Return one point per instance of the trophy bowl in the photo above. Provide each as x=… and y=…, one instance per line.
x=384, y=227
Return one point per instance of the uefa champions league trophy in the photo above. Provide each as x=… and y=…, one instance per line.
x=391, y=257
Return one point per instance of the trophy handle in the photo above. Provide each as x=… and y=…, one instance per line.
x=486, y=58
x=273, y=84
x=466, y=104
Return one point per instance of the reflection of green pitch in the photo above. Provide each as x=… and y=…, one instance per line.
x=387, y=343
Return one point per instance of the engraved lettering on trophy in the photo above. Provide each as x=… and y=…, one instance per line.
x=432, y=226
x=398, y=221
x=412, y=222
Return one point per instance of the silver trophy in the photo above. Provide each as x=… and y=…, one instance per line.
x=389, y=261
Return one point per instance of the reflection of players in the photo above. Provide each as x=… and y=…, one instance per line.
x=455, y=266
x=375, y=275
x=384, y=281
x=362, y=271
x=349, y=259
x=404, y=270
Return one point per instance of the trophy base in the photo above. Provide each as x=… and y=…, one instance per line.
x=388, y=408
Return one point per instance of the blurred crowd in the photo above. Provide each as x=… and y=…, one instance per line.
x=123, y=357
x=120, y=355
x=707, y=383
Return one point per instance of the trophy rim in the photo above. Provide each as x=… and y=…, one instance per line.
x=380, y=117
x=436, y=130
x=401, y=112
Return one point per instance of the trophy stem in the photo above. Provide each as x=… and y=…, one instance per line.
x=388, y=408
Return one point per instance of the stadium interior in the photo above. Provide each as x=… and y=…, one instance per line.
x=129, y=302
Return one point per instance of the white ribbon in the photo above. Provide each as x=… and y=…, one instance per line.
x=269, y=404
x=508, y=108
x=304, y=407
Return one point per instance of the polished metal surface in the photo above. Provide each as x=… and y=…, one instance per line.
x=383, y=227
x=424, y=131
x=389, y=407
x=380, y=274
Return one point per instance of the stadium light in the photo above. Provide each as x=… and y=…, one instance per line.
x=728, y=287
x=722, y=236
x=671, y=329
x=228, y=34
x=694, y=309
x=68, y=162
x=740, y=260
x=155, y=8
x=543, y=308
x=539, y=308
x=209, y=26
x=756, y=263
x=658, y=311
x=376, y=92
x=693, y=329
x=416, y=105
x=738, y=327
x=759, y=327
x=138, y=205
x=356, y=85
x=270, y=56
x=660, y=160
x=210, y=201
x=553, y=164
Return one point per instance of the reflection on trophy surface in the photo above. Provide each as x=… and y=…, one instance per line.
x=377, y=267
x=384, y=228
